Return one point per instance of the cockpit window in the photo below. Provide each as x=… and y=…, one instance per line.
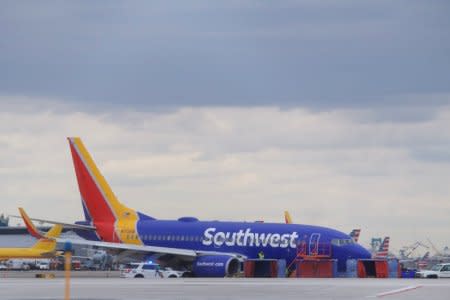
x=342, y=242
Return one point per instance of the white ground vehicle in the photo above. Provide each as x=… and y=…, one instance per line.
x=148, y=270
x=437, y=271
x=44, y=266
x=18, y=264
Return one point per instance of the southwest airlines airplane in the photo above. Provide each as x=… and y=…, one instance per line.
x=207, y=248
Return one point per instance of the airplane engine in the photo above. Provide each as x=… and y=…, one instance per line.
x=215, y=266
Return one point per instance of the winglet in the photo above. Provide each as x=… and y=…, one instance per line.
x=287, y=217
x=30, y=226
x=54, y=232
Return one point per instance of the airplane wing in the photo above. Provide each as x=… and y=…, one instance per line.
x=54, y=232
x=122, y=249
x=30, y=226
x=140, y=251
x=65, y=225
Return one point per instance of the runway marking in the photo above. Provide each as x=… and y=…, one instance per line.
x=398, y=291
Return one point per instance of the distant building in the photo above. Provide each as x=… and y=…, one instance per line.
x=3, y=221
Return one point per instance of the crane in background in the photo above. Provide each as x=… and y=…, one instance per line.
x=406, y=252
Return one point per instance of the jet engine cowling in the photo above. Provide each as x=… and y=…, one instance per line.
x=215, y=266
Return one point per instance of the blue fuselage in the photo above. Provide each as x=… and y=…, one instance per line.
x=273, y=240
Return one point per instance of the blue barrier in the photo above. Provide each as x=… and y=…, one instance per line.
x=335, y=268
x=281, y=268
x=393, y=268
x=409, y=273
x=351, y=268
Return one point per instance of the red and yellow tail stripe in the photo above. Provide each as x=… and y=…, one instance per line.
x=114, y=221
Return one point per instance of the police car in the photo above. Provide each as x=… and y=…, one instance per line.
x=148, y=270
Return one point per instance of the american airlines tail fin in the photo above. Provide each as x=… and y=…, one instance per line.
x=287, y=217
x=355, y=234
x=46, y=241
x=383, y=251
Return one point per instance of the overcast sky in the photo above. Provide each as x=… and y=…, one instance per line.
x=338, y=111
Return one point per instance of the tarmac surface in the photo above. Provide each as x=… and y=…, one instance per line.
x=236, y=288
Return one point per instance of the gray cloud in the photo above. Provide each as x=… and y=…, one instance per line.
x=337, y=111
x=317, y=54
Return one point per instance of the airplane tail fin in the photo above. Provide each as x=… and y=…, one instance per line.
x=54, y=232
x=46, y=241
x=287, y=217
x=101, y=207
x=99, y=201
x=355, y=234
x=384, y=248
